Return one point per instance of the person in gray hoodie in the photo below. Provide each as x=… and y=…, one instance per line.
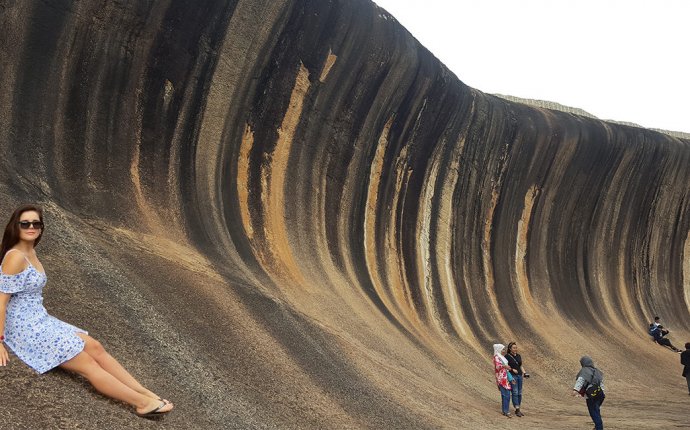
x=590, y=376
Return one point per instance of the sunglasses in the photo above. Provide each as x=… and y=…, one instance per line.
x=25, y=225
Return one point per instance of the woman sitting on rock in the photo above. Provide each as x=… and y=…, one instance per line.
x=43, y=342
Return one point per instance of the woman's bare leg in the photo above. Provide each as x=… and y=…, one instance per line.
x=107, y=384
x=112, y=366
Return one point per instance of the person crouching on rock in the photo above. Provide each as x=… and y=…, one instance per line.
x=658, y=333
x=44, y=342
x=501, y=369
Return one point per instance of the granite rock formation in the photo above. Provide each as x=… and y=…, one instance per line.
x=289, y=214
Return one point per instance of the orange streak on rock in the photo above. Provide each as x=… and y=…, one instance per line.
x=370, y=219
x=394, y=263
x=424, y=233
x=243, y=181
x=445, y=241
x=489, y=281
x=330, y=61
x=524, y=294
x=277, y=257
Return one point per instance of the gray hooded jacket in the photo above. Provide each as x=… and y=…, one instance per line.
x=588, y=375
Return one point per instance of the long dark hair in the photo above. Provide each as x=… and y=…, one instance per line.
x=11, y=236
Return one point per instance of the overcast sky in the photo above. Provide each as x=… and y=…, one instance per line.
x=626, y=60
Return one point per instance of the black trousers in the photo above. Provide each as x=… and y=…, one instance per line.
x=665, y=342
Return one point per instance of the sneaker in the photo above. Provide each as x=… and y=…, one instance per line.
x=508, y=415
x=519, y=414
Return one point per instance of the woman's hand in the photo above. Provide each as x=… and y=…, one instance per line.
x=4, y=356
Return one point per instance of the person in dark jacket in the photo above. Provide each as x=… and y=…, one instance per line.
x=685, y=361
x=586, y=377
x=515, y=363
x=658, y=332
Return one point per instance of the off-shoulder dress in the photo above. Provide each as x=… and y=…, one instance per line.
x=38, y=339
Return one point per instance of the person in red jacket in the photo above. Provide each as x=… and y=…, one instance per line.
x=501, y=369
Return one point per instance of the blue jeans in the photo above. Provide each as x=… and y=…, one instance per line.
x=505, y=400
x=517, y=390
x=595, y=412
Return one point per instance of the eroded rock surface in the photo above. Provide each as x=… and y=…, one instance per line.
x=289, y=214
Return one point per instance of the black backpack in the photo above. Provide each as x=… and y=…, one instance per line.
x=594, y=390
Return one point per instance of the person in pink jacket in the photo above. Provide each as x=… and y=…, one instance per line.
x=501, y=368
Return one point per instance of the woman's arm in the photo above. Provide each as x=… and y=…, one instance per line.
x=498, y=364
x=4, y=356
x=579, y=383
x=13, y=264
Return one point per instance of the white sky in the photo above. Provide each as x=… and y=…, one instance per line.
x=627, y=60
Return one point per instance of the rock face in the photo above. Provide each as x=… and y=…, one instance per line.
x=289, y=214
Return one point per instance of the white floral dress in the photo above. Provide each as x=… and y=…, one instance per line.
x=38, y=339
